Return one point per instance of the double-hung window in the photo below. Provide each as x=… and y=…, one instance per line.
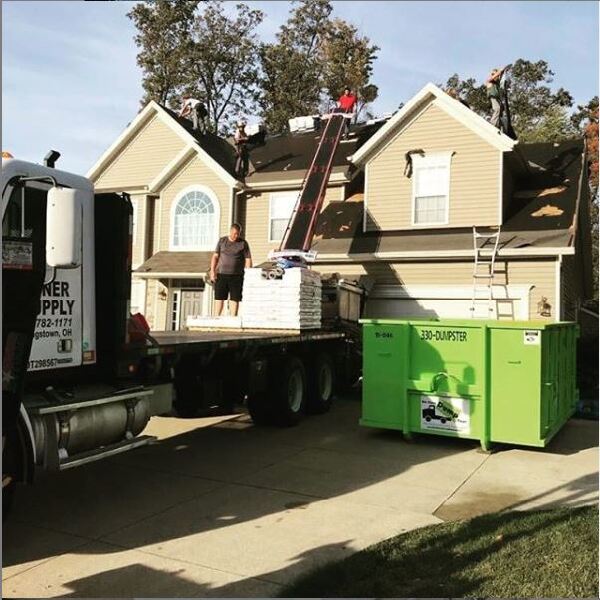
x=431, y=189
x=280, y=210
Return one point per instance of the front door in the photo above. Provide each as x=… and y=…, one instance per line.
x=191, y=305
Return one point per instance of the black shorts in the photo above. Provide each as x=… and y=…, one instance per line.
x=229, y=286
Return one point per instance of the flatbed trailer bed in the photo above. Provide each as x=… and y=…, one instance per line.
x=183, y=341
x=200, y=364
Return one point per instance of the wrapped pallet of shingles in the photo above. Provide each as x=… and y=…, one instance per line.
x=291, y=302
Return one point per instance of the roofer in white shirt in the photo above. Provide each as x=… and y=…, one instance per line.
x=198, y=112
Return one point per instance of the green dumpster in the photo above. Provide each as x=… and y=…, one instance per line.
x=494, y=381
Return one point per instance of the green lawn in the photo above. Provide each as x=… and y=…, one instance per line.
x=552, y=553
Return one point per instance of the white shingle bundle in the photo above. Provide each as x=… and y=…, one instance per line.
x=292, y=302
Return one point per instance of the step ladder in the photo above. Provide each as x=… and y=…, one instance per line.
x=483, y=272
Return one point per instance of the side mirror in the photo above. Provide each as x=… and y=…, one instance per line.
x=63, y=227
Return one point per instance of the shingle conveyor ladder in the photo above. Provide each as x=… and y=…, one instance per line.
x=303, y=221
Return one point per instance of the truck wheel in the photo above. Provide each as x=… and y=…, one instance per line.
x=188, y=392
x=10, y=471
x=260, y=409
x=321, y=384
x=288, y=392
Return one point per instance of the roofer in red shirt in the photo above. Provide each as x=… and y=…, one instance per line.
x=347, y=104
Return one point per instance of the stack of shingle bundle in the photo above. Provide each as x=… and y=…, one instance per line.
x=291, y=302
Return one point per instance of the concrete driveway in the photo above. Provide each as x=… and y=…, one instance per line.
x=221, y=508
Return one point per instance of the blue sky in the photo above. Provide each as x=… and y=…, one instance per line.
x=70, y=79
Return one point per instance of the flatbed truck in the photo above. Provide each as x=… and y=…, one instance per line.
x=79, y=381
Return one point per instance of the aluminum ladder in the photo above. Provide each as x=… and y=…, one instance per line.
x=483, y=270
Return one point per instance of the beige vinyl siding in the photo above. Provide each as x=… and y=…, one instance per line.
x=193, y=172
x=474, y=174
x=256, y=226
x=143, y=158
x=156, y=305
x=540, y=273
x=139, y=208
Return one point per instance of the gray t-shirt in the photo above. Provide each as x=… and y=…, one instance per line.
x=232, y=255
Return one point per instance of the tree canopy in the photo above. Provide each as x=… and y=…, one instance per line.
x=208, y=54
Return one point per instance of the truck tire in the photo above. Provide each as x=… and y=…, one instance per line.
x=260, y=409
x=11, y=470
x=188, y=392
x=321, y=384
x=288, y=391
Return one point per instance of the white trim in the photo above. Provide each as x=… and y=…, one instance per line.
x=342, y=192
x=501, y=189
x=453, y=107
x=445, y=254
x=196, y=187
x=168, y=275
x=139, y=121
x=170, y=168
x=297, y=193
x=557, y=291
x=430, y=159
x=365, y=202
x=291, y=183
x=231, y=203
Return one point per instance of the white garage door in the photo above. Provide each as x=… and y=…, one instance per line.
x=447, y=301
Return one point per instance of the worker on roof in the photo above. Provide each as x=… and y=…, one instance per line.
x=492, y=84
x=347, y=104
x=453, y=93
x=240, y=140
x=198, y=112
x=231, y=257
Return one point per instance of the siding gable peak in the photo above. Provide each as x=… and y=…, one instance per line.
x=419, y=102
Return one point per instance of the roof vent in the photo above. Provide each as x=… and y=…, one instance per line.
x=254, y=129
x=299, y=124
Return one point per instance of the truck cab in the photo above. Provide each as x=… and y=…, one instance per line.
x=64, y=403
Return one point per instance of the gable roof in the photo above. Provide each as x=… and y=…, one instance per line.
x=212, y=149
x=539, y=218
x=420, y=101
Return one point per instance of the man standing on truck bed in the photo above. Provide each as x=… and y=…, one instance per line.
x=227, y=264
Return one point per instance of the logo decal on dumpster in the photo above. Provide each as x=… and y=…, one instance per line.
x=531, y=337
x=446, y=414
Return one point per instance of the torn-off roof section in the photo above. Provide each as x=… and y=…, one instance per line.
x=545, y=198
x=288, y=156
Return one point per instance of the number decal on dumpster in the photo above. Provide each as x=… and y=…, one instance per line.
x=447, y=414
x=444, y=335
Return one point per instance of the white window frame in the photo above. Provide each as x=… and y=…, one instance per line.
x=434, y=159
x=272, y=195
x=217, y=207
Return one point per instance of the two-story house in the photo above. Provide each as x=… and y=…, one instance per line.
x=400, y=207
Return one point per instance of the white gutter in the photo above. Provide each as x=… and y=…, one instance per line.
x=445, y=254
x=168, y=275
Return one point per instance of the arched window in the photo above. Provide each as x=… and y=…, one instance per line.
x=195, y=220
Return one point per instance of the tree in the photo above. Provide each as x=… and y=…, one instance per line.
x=530, y=95
x=291, y=69
x=163, y=35
x=206, y=54
x=555, y=125
x=312, y=56
x=221, y=67
x=347, y=59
